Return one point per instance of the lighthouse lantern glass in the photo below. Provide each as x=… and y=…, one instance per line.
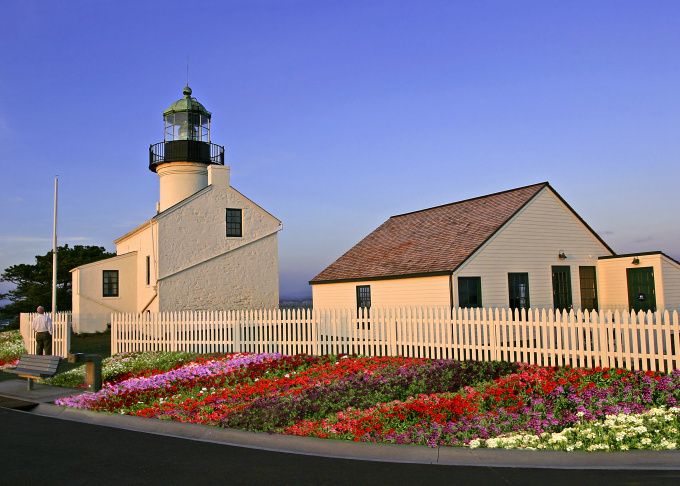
x=187, y=126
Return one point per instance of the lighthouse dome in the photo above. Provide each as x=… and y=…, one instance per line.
x=187, y=105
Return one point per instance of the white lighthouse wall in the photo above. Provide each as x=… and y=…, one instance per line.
x=200, y=268
x=179, y=180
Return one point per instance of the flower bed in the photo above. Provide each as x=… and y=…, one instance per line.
x=11, y=348
x=402, y=400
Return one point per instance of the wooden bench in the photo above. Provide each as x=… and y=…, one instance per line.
x=35, y=367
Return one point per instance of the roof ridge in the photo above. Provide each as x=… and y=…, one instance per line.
x=545, y=184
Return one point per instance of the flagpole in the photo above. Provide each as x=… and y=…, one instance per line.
x=54, y=253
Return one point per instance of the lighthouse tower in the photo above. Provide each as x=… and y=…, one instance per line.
x=181, y=160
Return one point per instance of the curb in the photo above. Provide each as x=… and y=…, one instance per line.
x=368, y=451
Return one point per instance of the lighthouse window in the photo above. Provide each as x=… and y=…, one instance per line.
x=234, y=222
x=110, y=278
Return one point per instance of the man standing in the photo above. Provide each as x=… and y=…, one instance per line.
x=42, y=325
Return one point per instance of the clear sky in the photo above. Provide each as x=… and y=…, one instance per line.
x=337, y=115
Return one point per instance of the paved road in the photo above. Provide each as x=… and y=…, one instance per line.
x=79, y=453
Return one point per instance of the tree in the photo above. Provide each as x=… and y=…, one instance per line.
x=34, y=282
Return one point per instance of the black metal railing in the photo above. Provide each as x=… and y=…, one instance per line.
x=185, y=151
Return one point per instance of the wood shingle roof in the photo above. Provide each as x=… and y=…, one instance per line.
x=430, y=241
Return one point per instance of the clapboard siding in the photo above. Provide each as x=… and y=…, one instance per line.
x=530, y=242
x=612, y=283
x=671, y=283
x=421, y=291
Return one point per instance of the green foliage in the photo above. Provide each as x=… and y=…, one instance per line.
x=11, y=345
x=124, y=364
x=34, y=282
x=92, y=343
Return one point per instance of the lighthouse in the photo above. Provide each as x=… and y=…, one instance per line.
x=181, y=160
x=208, y=247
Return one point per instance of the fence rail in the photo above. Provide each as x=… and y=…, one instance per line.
x=609, y=339
x=61, y=336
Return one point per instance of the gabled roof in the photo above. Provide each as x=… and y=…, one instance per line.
x=181, y=203
x=431, y=241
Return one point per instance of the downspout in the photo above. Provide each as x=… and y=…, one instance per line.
x=152, y=298
x=451, y=290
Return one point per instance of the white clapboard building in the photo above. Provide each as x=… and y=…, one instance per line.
x=522, y=248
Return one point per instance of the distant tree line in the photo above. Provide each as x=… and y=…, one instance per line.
x=34, y=282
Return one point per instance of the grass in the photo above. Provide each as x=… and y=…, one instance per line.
x=93, y=343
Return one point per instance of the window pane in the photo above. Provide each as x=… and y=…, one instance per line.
x=561, y=279
x=364, y=305
x=588, y=288
x=234, y=222
x=110, y=283
x=470, y=291
x=518, y=286
x=363, y=296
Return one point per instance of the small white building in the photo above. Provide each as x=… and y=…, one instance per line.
x=208, y=247
x=522, y=248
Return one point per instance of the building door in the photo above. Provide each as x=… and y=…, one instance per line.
x=641, y=289
x=518, y=288
x=561, y=281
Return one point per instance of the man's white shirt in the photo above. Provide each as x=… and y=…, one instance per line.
x=42, y=323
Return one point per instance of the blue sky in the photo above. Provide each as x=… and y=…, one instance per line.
x=337, y=115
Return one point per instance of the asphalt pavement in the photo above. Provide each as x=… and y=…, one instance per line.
x=43, y=443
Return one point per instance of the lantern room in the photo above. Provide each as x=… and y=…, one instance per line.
x=187, y=135
x=187, y=119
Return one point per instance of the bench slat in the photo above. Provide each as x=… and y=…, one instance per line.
x=46, y=367
x=38, y=366
x=38, y=369
x=39, y=358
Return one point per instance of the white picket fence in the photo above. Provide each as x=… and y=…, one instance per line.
x=61, y=337
x=609, y=339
